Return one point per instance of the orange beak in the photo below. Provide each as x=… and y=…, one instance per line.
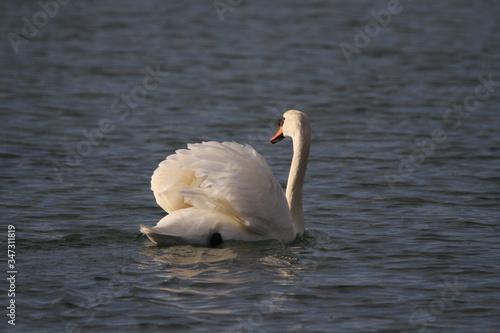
x=278, y=136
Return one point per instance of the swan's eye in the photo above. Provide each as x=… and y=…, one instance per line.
x=281, y=121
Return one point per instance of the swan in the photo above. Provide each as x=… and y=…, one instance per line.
x=218, y=191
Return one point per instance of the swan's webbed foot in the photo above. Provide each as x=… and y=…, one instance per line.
x=215, y=239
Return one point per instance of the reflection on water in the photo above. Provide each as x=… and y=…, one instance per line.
x=209, y=265
x=189, y=255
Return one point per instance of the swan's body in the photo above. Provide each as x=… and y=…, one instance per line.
x=228, y=190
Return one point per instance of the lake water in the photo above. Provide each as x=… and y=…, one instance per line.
x=402, y=195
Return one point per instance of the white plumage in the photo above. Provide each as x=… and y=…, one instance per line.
x=224, y=188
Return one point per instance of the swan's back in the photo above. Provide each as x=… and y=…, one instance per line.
x=226, y=181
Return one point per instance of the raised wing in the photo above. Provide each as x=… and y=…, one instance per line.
x=228, y=177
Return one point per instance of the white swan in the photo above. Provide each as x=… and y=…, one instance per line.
x=226, y=191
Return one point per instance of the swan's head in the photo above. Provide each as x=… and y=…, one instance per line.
x=293, y=124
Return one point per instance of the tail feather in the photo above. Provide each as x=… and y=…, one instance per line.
x=161, y=239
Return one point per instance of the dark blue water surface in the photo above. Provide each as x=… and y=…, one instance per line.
x=402, y=195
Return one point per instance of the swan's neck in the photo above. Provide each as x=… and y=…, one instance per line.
x=301, y=145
